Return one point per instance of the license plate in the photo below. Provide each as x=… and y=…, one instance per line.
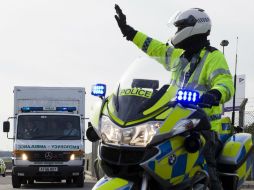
x=48, y=169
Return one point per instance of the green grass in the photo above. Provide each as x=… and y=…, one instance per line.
x=6, y=159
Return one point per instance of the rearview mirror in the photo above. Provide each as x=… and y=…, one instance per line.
x=91, y=133
x=6, y=126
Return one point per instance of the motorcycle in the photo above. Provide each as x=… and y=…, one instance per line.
x=150, y=136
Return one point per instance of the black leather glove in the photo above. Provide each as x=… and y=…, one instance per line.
x=126, y=30
x=210, y=98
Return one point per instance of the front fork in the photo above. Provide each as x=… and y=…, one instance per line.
x=144, y=184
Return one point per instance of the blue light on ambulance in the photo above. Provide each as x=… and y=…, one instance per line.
x=187, y=96
x=99, y=90
x=30, y=109
x=69, y=109
x=41, y=109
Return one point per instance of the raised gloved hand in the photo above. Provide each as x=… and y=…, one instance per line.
x=126, y=30
x=210, y=98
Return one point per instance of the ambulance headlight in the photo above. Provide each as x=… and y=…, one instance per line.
x=24, y=156
x=139, y=135
x=72, y=157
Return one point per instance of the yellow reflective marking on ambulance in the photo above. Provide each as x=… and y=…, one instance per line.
x=114, y=183
x=136, y=92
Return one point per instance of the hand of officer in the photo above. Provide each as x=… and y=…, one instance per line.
x=210, y=98
x=126, y=30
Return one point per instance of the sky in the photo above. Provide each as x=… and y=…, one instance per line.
x=78, y=43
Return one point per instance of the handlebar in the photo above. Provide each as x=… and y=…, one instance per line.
x=203, y=105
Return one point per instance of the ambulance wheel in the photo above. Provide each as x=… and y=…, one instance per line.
x=16, y=181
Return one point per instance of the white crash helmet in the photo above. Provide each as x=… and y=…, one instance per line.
x=189, y=23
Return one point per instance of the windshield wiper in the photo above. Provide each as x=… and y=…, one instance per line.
x=68, y=138
x=42, y=137
x=49, y=137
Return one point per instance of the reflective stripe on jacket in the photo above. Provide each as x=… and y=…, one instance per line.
x=212, y=71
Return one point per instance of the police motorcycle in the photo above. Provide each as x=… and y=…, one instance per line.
x=149, y=136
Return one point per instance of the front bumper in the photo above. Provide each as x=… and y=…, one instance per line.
x=64, y=172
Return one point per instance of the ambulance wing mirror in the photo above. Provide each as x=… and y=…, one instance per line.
x=99, y=90
x=6, y=126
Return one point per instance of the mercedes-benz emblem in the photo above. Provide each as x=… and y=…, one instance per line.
x=48, y=155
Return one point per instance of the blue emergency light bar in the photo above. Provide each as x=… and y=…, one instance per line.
x=69, y=109
x=30, y=109
x=187, y=96
x=41, y=109
x=99, y=90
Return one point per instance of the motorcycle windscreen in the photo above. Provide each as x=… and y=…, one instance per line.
x=142, y=85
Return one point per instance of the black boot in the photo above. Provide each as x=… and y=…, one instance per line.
x=215, y=183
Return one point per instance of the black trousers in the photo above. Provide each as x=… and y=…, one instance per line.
x=210, y=150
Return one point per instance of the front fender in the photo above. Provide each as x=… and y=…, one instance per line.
x=107, y=183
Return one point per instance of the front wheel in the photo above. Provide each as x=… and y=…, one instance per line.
x=16, y=181
x=68, y=181
x=80, y=180
x=4, y=174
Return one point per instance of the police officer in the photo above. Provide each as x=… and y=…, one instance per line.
x=200, y=67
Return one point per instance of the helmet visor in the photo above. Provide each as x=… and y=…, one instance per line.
x=172, y=28
x=178, y=22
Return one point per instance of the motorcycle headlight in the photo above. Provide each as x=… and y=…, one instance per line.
x=139, y=135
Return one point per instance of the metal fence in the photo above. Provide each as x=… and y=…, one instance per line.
x=249, y=118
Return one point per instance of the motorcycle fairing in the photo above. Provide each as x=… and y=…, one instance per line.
x=236, y=156
x=143, y=111
x=169, y=172
x=244, y=171
x=175, y=115
x=169, y=94
x=107, y=183
x=236, y=149
x=109, y=110
x=172, y=114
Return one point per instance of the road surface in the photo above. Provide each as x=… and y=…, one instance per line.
x=5, y=184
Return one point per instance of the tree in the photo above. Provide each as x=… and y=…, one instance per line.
x=249, y=129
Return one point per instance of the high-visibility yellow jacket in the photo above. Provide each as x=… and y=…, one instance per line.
x=212, y=71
